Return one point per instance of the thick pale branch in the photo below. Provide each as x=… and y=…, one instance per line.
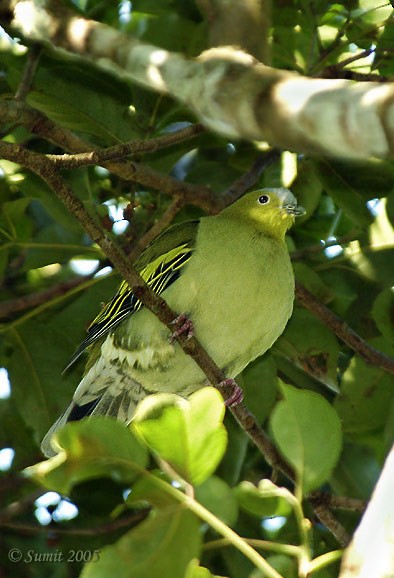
x=371, y=553
x=228, y=90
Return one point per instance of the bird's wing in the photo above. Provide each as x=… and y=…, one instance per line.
x=159, y=265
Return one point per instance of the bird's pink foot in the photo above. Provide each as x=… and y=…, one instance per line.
x=236, y=395
x=184, y=327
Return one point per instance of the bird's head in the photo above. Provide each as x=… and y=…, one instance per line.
x=271, y=211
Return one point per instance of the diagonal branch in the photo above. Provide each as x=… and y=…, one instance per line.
x=343, y=331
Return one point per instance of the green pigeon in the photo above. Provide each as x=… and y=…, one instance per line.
x=229, y=277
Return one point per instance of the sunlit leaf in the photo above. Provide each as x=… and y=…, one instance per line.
x=188, y=434
x=97, y=447
x=307, y=431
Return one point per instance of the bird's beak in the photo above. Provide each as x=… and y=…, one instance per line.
x=294, y=209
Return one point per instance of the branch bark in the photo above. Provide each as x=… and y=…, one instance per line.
x=122, y=150
x=228, y=90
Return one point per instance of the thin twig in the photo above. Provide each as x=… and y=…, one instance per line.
x=319, y=247
x=250, y=178
x=23, y=302
x=103, y=529
x=343, y=331
x=340, y=502
x=29, y=71
x=19, y=507
x=122, y=150
x=156, y=229
x=329, y=520
x=355, y=57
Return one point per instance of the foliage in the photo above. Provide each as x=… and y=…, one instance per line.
x=200, y=491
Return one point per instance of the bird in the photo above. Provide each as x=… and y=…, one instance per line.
x=229, y=276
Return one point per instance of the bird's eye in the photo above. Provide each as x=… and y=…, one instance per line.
x=264, y=199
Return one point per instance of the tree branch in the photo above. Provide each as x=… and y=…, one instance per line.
x=29, y=71
x=164, y=221
x=119, y=151
x=23, y=302
x=119, y=523
x=343, y=331
x=248, y=179
x=38, y=123
x=228, y=90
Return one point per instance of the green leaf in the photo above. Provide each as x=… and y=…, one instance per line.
x=360, y=459
x=33, y=187
x=91, y=448
x=187, y=433
x=194, y=570
x=308, y=344
x=217, y=497
x=14, y=223
x=366, y=394
x=383, y=313
x=102, y=104
x=313, y=282
x=373, y=253
x=146, y=491
x=260, y=386
x=307, y=188
x=307, y=432
x=266, y=500
x=162, y=545
x=340, y=181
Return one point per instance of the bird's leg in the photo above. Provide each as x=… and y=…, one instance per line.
x=184, y=326
x=237, y=394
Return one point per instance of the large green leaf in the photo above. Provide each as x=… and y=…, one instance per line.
x=217, y=497
x=307, y=431
x=162, y=545
x=383, y=313
x=187, y=433
x=101, y=108
x=341, y=182
x=366, y=394
x=92, y=448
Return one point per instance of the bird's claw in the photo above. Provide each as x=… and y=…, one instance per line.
x=185, y=327
x=236, y=395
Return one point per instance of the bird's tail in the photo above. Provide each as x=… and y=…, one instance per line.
x=120, y=404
